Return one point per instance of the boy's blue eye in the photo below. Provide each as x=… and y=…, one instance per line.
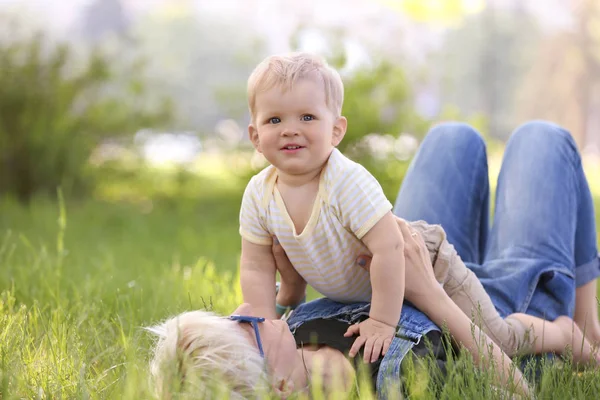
x=307, y=117
x=274, y=120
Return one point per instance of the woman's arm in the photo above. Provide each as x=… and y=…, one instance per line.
x=423, y=290
x=486, y=354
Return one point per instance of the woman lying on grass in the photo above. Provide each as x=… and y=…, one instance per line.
x=200, y=353
x=540, y=258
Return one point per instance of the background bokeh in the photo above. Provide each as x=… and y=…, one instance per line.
x=123, y=148
x=161, y=84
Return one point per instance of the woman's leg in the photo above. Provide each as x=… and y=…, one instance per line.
x=542, y=243
x=586, y=260
x=586, y=311
x=447, y=184
x=543, y=336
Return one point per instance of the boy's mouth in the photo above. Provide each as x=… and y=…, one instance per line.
x=292, y=147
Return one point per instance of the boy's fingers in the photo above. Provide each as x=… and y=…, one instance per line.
x=368, y=349
x=377, y=347
x=352, y=330
x=358, y=343
x=386, y=345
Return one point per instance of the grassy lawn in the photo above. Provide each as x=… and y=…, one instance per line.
x=79, y=282
x=74, y=299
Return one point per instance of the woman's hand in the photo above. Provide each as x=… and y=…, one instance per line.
x=420, y=279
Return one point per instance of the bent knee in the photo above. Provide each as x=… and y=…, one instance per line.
x=455, y=131
x=539, y=132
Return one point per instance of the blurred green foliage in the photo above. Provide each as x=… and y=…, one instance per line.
x=139, y=184
x=55, y=108
x=484, y=61
x=379, y=99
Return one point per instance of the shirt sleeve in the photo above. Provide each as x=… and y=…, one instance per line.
x=359, y=200
x=252, y=227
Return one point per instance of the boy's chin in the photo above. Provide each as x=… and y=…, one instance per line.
x=300, y=168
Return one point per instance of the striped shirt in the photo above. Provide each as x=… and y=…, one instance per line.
x=348, y=204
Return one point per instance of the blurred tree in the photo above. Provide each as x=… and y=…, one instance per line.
x=54, y=112
x=202, y=62
x=481, y=65
x=102, y=17
x=563, y=84
x=379, y=99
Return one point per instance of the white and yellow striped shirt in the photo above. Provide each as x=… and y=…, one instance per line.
x=349, y=203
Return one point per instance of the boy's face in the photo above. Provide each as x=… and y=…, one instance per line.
x=294, y=129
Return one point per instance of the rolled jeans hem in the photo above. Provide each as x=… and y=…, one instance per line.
x=587, y=272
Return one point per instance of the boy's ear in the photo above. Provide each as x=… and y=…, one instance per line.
x=253, y=135
x=339, y=130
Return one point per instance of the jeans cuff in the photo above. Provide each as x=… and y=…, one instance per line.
x=587, y=272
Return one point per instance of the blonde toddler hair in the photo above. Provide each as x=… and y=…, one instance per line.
x=286, y=69
x=199, y=353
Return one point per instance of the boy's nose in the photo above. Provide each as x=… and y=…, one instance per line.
x=289, y=130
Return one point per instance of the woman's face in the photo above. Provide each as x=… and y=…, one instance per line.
x=279, y=345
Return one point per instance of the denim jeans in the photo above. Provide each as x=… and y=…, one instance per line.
x=413, y=325
x=542, y=242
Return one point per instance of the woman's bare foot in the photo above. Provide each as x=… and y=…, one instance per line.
x=583, y=351
x=590, y=330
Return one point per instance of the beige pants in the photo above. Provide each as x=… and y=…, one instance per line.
x=465, y=289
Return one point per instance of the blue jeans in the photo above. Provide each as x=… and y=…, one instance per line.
x=413, y=325
x=542, y=242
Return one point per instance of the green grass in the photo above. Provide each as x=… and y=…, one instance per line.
x=74, y=299
x=79, y=282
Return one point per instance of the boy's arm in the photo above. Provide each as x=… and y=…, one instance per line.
x=386, y=244
x=257, y=276
x=363, y=209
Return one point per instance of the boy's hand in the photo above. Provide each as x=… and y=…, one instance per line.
x=374, y=335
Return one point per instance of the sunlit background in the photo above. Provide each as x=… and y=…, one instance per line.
x=179, y=67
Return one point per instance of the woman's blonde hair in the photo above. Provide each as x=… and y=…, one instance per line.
x=286, y=69
x=201, y=354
